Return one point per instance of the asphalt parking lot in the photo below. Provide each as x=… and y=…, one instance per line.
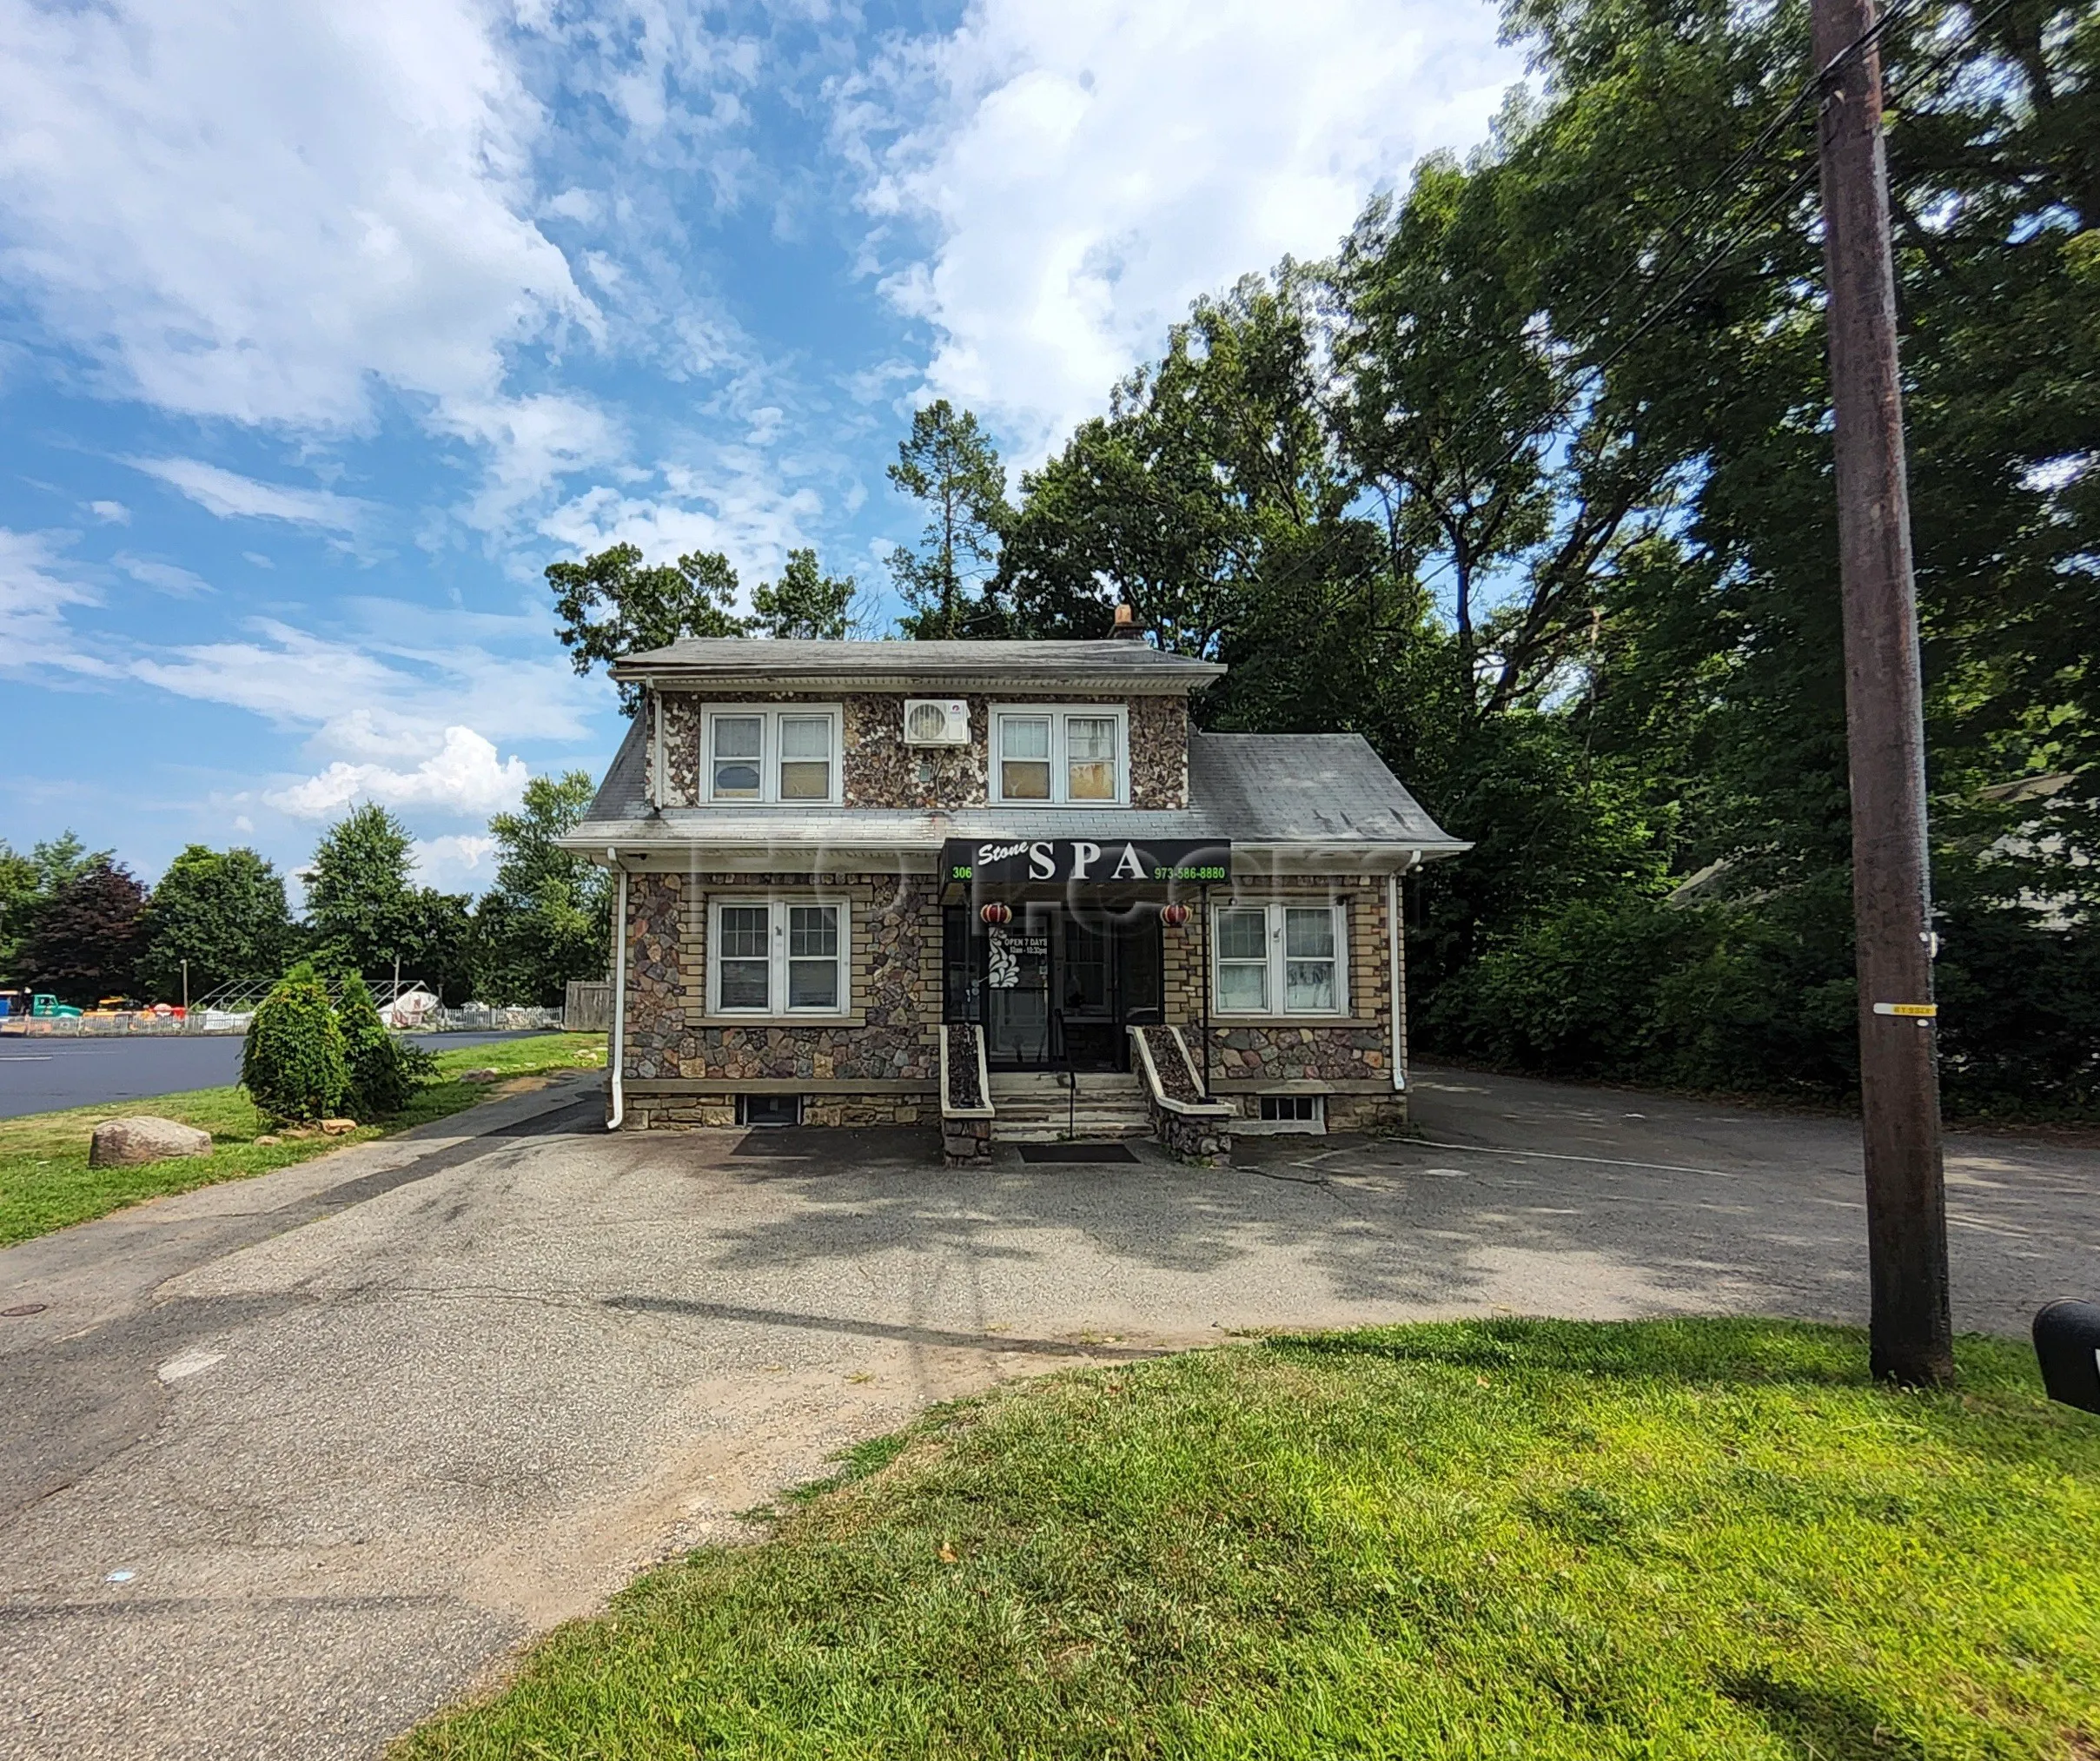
x=43, y=1073
x=287, y=1464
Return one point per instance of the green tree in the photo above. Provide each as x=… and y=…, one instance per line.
x=28, y=883
x=84, y=946
x=223, y=912
x=364, y=910
x=293, y=1062
x=614, y=604
x=545, y=919
x=950, y=466
x=806, y=603
x=379, y=1069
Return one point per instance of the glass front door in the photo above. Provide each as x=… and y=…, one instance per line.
x=1016, y=965
x=1053, y=986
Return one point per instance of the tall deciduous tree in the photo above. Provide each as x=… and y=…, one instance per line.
x=806, y=603
x=950, y=466
x=84, y=945
x=545, y=921
x=614, y=603
x=29, y=882
x=365, y=911
x=222, y=912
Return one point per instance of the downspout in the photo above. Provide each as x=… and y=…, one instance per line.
x=1392, y=932
x=657, y=793
x=1204, y=893
x=620, y=990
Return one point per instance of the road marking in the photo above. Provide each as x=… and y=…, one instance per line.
x=189, y=1363
x=1550, y=1155
x=25, y=1057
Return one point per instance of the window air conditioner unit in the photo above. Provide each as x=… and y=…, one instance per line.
x=930, y=722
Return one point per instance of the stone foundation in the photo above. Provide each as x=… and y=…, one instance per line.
x=693, y=1112
x=1366, y=1112
x=1204, y=1137
x=965, y=1143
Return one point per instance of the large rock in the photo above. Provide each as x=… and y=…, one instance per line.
x=126, y=1143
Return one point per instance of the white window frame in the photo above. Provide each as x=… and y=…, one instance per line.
x=778, y=907
x=1060, y=763
x=1278, y=962
x=769, y=716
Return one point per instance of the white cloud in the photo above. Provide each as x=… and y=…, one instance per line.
x=111, y=512
x=452, y=863
x=1088, y=167
x=232, y=496
x=163, y=578
x=530, y=443
x=36, y=587
x=391, y=689
x=252, y=211
x=463, y=777
x=736, y=504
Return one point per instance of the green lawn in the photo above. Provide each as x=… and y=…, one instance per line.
x=45, y=1182
x=1538, y=1539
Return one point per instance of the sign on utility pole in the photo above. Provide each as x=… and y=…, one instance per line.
x=1911, y=1333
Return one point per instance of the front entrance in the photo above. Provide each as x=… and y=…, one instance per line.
x=1055, y=986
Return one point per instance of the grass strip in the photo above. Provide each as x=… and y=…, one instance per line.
x=46, y=1184
x=1491, y=1539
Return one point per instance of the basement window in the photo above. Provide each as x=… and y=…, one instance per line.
x=769, y=1109
x=1290, y=1110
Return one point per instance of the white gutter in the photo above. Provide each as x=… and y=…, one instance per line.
x=1399, y=1075
x=620, y=991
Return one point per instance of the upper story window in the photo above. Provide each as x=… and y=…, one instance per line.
x=788, y=754
x=1058, y=758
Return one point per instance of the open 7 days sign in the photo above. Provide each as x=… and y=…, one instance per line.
x=1116, y=862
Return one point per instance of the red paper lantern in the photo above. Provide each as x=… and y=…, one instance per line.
x=1174, y=915
x=996, y=913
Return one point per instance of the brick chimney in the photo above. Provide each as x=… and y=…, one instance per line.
x=1126, y=625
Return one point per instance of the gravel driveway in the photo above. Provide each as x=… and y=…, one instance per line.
x=287, y=1463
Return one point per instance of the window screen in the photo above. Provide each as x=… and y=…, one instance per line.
x=1090, y=746
x=806, y=757
x=743, y=954
x=1024, y=758
x=1243, y=957
x=813, y=957
x=739, y=744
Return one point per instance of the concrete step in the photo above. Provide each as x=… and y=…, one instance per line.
x=1005, y=1131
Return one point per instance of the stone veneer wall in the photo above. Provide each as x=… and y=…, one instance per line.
x=1348, y=1059
x=881, y=771
x=883, y=1055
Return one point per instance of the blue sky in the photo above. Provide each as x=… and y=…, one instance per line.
x=324, y=328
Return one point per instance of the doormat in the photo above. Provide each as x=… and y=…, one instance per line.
x=1075, y=1152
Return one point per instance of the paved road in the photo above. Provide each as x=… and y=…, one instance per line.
x=286, y=1464
x=42, y=1073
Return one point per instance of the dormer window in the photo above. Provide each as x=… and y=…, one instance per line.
x=785, y=756
x=1061, y=757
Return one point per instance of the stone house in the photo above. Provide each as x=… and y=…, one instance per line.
x=1003, y=886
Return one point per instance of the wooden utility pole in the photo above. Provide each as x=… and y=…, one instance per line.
x=1912, y=1339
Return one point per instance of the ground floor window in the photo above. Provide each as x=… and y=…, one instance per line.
x=1278, y=959
x=777, y=957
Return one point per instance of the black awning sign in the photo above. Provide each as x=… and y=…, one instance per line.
x=1112, y=862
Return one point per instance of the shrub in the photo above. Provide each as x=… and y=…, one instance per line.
x=292, y=1065
x=380, y=1074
